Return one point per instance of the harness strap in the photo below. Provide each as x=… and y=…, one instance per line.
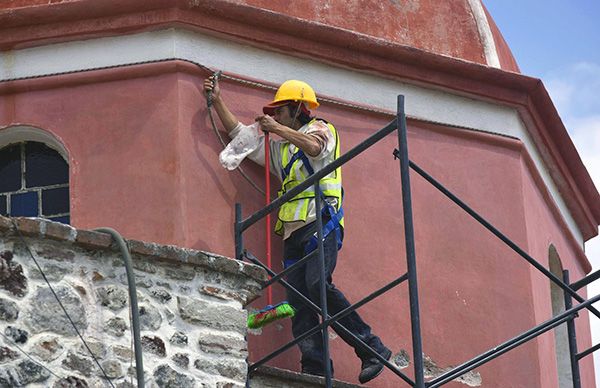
x=334, y=216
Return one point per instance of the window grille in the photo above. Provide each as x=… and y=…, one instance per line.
x=34, y=182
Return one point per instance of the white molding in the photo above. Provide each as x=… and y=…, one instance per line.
x=421, y=103
x=485, y=33
x=20, y=133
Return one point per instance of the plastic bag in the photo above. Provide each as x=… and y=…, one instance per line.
x=246, y=142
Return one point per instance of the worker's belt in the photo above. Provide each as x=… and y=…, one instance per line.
x=328, y=211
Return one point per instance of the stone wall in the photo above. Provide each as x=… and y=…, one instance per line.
x=191, y=304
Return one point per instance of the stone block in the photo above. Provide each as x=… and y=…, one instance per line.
x=231, y=368
x=219, y=316
x=221, y=293
x=123, y=352
x=142, y=248
x=7, y=354
x=93, y=240
x=116, y=326
x=113, y=297
x=71, y=382
x=54, y=273
x=144, y=265
x=154, y=345
x=45, y=313
x=182, y=360
x=223, y=344
x=165, y=376
x=54, y=251
x=179, y=338
x=97, y=348
x=162, y=296
x=182, y=273
x=5, y=224
x=29, y=226
x=83, y=365
x=12, y=278
x=24, y=373
x=150, y=318
x=47, y=348
x=112, y=368
x=16, y=335
x=60, y=232
x=9, y=311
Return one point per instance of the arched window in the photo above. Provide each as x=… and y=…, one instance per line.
x=34, y=181
x=561, y=339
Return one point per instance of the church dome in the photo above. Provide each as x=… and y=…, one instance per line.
x=460, y=29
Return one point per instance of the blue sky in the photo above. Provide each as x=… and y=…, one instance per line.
x=559, y=42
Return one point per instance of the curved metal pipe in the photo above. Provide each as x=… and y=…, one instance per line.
x=135, y=317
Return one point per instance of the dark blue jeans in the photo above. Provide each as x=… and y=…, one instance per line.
x=306, y=280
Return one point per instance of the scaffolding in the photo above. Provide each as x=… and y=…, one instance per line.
x=401, y=153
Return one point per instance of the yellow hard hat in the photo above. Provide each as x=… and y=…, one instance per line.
x=292, y=90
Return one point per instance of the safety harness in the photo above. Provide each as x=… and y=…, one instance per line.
x=333, y=224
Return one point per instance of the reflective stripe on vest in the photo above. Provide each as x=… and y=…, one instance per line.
x=296, y=209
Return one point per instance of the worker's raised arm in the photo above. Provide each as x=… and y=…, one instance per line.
x=308, y=143
x=227, y=118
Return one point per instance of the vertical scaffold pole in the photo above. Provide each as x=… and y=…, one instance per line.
x=572, y=337
x=237, y=228
x=322, y=285
x=410, y=245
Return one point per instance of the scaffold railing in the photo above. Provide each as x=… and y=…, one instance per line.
x=401, y=153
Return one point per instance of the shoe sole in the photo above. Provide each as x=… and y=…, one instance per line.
x=387, y=357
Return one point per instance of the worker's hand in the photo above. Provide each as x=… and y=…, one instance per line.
x=210, y=85
x=268, y=123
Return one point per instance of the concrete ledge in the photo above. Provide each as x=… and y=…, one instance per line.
x=88, y=239
x=270, y=377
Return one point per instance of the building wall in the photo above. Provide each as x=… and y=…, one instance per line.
x=543, y=231
x=144, y=160
x=429, y=101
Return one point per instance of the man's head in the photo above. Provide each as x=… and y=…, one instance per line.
x=291, y=104
x=291, y=114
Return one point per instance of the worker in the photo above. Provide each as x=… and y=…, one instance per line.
x=307, y=144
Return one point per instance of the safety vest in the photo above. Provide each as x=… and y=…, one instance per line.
x=294, y=172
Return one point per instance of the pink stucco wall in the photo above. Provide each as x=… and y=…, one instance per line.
x=144, y=160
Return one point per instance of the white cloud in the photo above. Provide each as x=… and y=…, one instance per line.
x=574, y=89
x=585, y=133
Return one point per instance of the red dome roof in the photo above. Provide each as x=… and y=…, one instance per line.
x=459, y=29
